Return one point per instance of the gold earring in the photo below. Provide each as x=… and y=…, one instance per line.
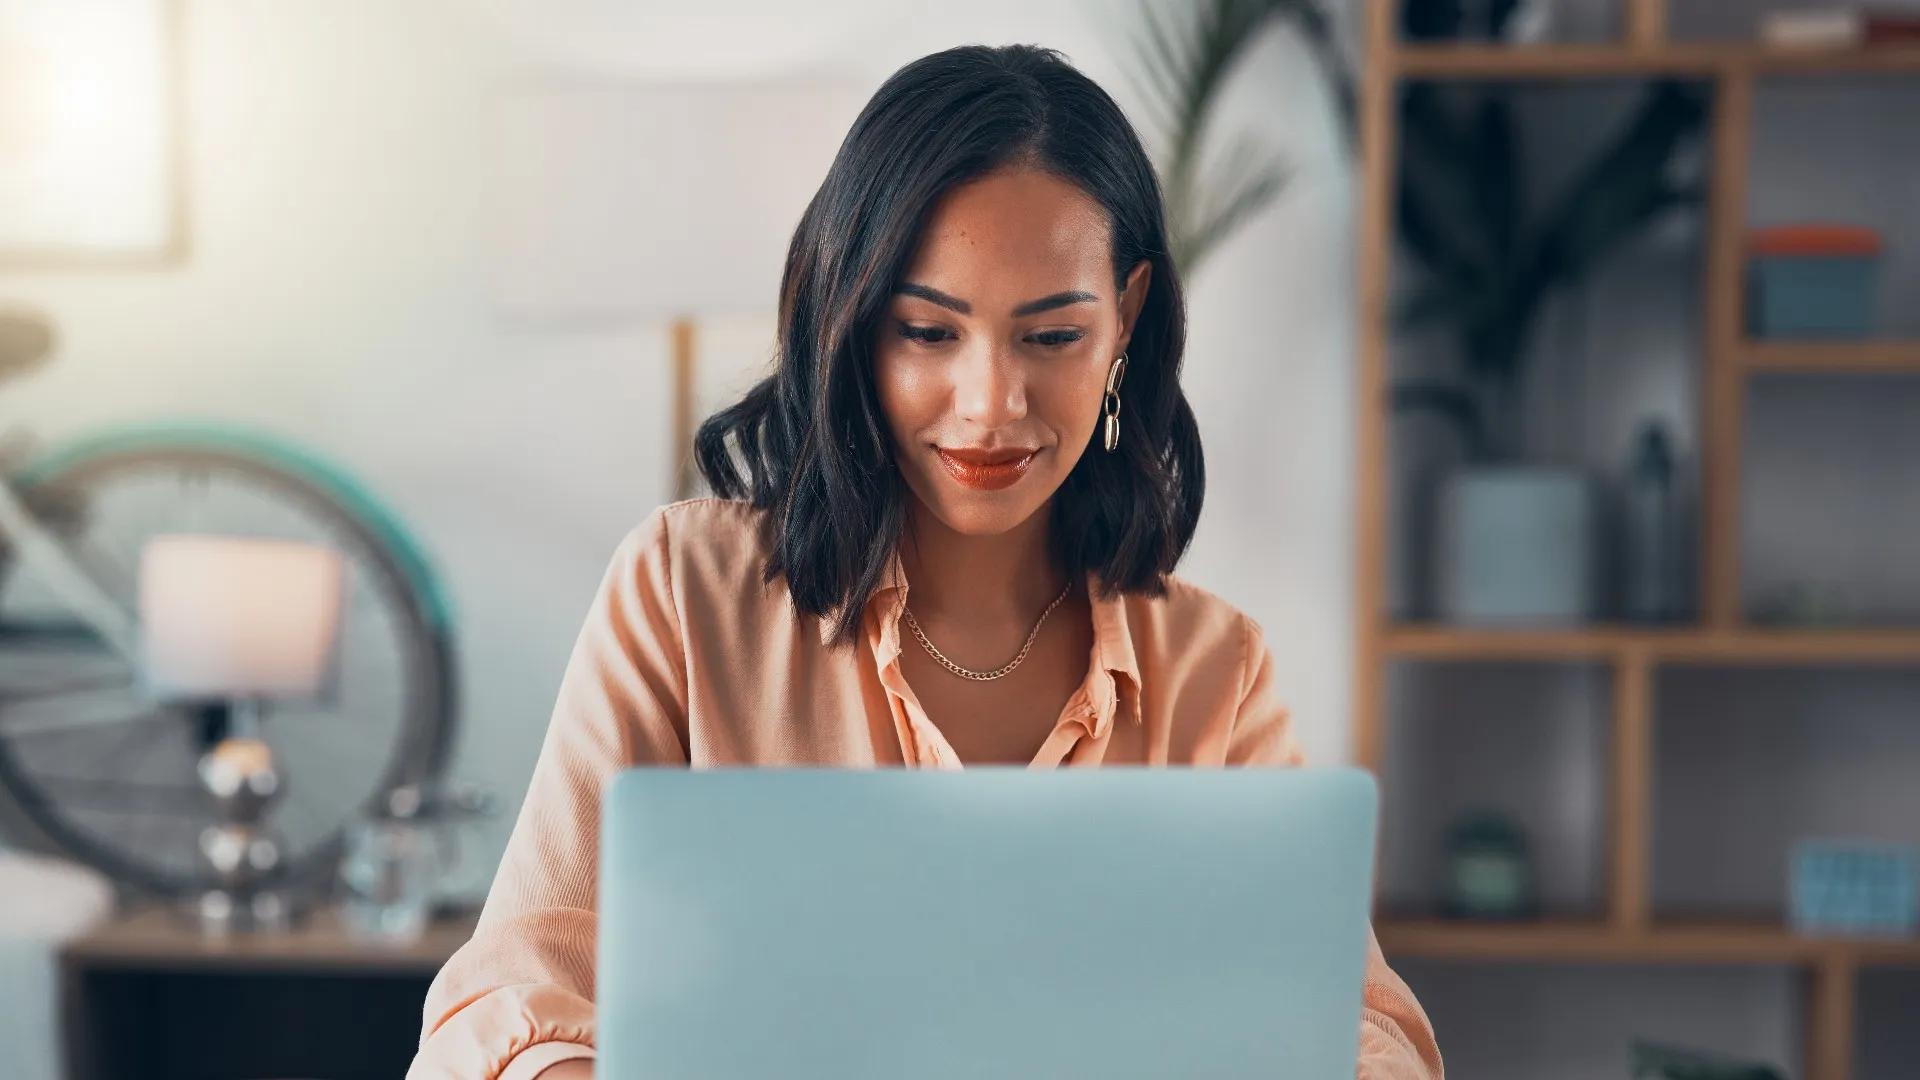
x=1112, y=403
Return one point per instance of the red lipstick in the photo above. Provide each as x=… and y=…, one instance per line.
x=986, y=470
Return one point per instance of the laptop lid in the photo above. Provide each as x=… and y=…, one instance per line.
x=918, y=925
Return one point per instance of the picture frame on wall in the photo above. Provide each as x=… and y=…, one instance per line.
x=92, y=169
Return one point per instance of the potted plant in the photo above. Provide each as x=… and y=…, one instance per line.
x=1514, y=538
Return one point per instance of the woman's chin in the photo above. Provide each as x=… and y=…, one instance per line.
x=985, y=513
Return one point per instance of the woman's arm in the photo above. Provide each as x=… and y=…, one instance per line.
x=516, y=1001
x=1396, y=1040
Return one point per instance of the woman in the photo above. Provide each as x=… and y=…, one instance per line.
x=944, y=535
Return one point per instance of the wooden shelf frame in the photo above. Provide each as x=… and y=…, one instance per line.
x=1723, y=412
x=161, y=939
x=1628, y=931
x=1832, y=357
x=1732, y=942
x=1683, y=60
x=1701, y=647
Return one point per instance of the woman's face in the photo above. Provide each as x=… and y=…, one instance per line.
x=992, y=359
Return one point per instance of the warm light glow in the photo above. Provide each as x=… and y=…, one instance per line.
x=230, y=617
x=84, y=126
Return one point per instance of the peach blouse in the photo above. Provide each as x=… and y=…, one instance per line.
x=689, y=658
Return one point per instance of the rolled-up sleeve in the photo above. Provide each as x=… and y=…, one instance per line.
x=1396, y=1039
x=518, y=997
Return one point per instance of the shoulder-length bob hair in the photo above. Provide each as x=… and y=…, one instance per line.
x=810, y=445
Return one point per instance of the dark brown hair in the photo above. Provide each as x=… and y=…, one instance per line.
x=810, y=444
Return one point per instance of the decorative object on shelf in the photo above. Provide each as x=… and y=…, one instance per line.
x=1533, y=24
x=1182, y=62
x=1488, y=869
x=397, y=858
x=229, y=624
x=1515, y=546
x=1813, y=281
x=1893, y=26
x=1843, y=28
x=1651, y=522
x=1808, y=604
x=1855, y=889
x=1813, y=28
x=1652, y=1061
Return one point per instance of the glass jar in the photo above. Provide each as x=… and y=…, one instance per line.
x=392, y=869
x=398, y=860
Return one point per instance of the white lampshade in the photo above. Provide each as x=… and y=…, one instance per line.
x=231, y=617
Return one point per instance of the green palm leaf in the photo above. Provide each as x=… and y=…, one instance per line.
x=1183, y=62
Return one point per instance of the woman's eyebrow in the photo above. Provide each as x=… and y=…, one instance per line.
x=1031, y=307
x=934, y=296
x=1057, y=300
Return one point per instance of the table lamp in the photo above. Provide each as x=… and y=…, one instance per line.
x=229, y=625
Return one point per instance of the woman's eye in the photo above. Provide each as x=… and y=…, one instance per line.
x=1055, y=338
x=929, y=335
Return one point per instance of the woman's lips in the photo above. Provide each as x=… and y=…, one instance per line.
x=986, y=470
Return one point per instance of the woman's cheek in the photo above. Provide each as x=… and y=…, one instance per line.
x=901, y=389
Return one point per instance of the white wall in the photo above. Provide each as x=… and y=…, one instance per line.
x=338, y=291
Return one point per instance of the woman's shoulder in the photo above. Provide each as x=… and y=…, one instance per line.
x=1201, y=655
x=710, y=519
x=1194, y=617
x=709, y=542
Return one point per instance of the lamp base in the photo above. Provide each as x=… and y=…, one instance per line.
x=241, y=852
x=221, y=913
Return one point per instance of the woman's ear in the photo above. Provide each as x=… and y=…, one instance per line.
x=1133, y=298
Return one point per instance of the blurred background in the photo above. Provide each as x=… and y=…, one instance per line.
x=1554, y=359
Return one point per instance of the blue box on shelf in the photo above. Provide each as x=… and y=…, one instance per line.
x=1842, y=889
x=1813, y=281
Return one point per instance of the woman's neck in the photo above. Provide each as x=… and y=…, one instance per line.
x=960, y=577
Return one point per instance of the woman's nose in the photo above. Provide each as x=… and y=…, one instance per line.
x=989, y=388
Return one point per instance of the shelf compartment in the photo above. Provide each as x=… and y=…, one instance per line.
x=1579, y=1021
x=1749, y=763
x=1830, y=502
x=1479, y=61
x=1839, y=149
x=1529, y=740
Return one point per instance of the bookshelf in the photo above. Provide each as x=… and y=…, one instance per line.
x=1627, y=932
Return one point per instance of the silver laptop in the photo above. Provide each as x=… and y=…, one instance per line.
x=987, y=924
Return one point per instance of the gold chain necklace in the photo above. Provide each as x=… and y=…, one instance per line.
x=985, y=676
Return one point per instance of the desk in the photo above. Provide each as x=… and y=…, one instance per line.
x=146, y=997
